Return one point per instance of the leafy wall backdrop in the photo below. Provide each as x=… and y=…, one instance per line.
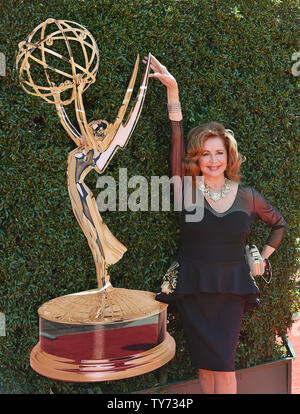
x=232, y=61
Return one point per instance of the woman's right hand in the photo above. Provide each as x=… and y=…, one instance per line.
x=161, y=73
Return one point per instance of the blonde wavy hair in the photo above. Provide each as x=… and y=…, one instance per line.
x=195, y=148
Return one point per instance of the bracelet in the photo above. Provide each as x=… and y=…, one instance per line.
x=174, y=107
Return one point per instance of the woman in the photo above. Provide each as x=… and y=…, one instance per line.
x=214, y=284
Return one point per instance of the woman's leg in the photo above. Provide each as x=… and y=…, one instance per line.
x=206, y=381
x=225, y=382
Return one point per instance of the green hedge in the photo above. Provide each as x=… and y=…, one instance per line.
x=232, y=61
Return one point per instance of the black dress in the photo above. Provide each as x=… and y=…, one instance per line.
x=214, y=286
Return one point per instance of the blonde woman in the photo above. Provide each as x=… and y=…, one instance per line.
x=214, y=284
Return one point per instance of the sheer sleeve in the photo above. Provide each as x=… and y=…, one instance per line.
x=177, y=152
x=271, y=216
x=177, y=148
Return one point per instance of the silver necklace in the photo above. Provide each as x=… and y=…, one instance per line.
x=216, y=195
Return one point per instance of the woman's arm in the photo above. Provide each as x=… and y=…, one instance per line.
x=267, y=251
x=175, y=114
x=161, y=73
x=177, y=149
x=270, y=215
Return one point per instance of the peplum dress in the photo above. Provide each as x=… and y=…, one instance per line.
x=214, y=287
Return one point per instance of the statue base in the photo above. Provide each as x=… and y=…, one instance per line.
x=102, y=336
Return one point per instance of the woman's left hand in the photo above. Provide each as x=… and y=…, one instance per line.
x=161, y=73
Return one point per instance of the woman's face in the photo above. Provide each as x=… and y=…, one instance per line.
x=213, y=161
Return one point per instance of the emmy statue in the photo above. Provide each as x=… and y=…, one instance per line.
x=105, y=333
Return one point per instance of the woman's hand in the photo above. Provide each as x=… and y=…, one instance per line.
x=161, y=73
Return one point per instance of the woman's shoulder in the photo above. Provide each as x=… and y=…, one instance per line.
x=253, y=195
x=247, y=188
x=247, y=191
x=250, y=190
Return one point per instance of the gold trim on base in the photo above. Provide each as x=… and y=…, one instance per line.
x=114, y=305
x=65, y=369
